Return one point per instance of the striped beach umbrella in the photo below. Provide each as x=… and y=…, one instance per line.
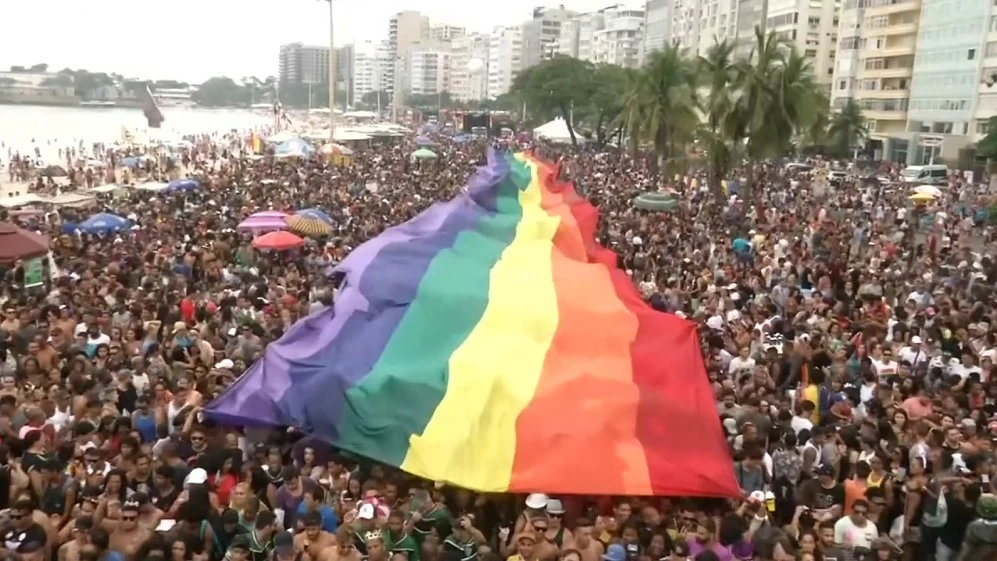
x=306, y=226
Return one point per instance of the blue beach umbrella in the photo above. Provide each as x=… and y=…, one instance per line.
x=316, y=214
x=102, y=223
x=178, y=185
x=131, y=162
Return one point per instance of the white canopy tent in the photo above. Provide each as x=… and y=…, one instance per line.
x=555, y=131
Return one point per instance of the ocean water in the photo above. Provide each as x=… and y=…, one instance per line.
x=23, y=127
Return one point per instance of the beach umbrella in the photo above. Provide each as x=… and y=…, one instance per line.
x=310, y=227
x=178, y=185
x=18, y=243
x=131, y=162
x=424, y=154
x=102, y=223
x=278, y=241
x=268, y=214
x=53, y=171
x=922, y=197
x=263, y=224
x=424, y=141
x=315, y=213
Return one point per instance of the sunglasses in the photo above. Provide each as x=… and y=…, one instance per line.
x=129, y=518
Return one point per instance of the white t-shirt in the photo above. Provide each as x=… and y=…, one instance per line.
x=800, y=423
x=912, y=355
x=740, y=365
x=849, y=535
x=885, y=368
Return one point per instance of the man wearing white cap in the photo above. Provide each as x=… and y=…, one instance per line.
x=913, y=353
x=535, y=505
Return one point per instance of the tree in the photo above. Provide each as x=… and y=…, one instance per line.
x=39, y=68
x=373, y=100
x=847, y=129
x=662, y=106
x=59, y=80
x=220, y=91
x=605, y=106
x=775, y=97
x=555, y=86
x=719, y=133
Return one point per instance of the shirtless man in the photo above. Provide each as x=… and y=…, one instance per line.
x=345, y=550
x=313, y=541
x=148, y=515
x=128, y=536
x=70, y=551
x=591, y=549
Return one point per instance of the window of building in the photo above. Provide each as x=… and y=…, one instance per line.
x=842, y=84
x=971, y=54
x=869, y=85
x=993, y=22
x=875, y=64
x=982, y=126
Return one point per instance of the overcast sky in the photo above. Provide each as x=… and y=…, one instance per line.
x=193, y=40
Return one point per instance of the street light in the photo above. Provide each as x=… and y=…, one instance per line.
x=332, y=76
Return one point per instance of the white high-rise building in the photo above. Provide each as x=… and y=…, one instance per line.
x=469, y=67
x=657, y=26
x=405, y=29
x=430, y=68
x=541, y=34
x=612, y=35
x=504, y=59
x=371, y=62
x=445, y=32
x=620, y=39
x=698, y=24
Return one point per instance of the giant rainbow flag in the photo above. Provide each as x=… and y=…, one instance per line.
x=491, y=343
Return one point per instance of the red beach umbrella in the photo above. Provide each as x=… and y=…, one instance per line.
x=18, y=243
x=279, y=241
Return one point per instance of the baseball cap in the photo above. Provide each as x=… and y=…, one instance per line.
x=366, y=512
x=915, y=340
x=283, y=543
x=197, y=476
x=240, y=541
x=825, y=470
x=615, y=552
x=225, y=364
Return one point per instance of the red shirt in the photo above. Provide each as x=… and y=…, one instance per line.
x=187, y=310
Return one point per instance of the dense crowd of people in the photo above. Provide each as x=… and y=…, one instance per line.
x=849, y=336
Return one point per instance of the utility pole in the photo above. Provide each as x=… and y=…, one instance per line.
x=332, y=75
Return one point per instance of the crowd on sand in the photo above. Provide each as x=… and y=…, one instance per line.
x=849, y=336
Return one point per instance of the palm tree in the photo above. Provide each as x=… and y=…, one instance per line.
x=722, y=122
x=775, y=98
x=847, y=128
x=661, y=107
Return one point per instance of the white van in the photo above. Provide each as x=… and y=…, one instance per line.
x=933, y=175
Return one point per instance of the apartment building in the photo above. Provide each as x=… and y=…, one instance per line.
x=430, y=68
x=405, y=29
x=698, y=24
x=541, y=34
x=657, y=27
x=303, y=64
x=469, y=67
x=875, y=66
x=986, y=85
x=445, y=32
x=809, y=25
x=612, y=35
x=505, y=51
x=371, y=62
